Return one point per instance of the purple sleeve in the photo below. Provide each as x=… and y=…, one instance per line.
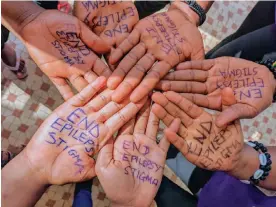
x=227, y=191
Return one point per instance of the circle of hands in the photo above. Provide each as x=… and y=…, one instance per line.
x=140, y=55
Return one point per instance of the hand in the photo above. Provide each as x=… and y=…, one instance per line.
x=62, y=147
x=168, y=38
x=112, y=21
x=62, y=46
x=200, y=140
x=202, y=83
x=131, y=169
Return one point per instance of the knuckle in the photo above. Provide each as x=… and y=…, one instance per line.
x=122, y=117
x=150, y=57
x=103, y=98
x=133, y=56
x=117, y=106
x=128, y=84
x=155, y=74
x=140, y=68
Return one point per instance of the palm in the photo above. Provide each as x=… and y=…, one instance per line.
x=112, y=21
x=61, y=46
x=74, y=132
x=211, y=147
x=159, y=37
x=200, y=140
x=253, y=84
x=66, y=154
x=136, y=161
x=128, y=158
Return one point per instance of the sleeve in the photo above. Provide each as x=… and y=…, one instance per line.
x=146, y=8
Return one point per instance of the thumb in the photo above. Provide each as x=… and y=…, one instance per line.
x=227, y=97
x=234, y=112
x=105, y=155
x=228, y=114
x=94, y=42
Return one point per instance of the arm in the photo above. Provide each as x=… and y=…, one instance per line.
x=21, y=182
x=249, y=163
x=188, y=12
x=57, y=41
x=16, y=15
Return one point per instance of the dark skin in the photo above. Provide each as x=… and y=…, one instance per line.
x=62, y=46
x=199, y=139
x=225, y=151
x=159, y=37
x=112, y=21
x=116, y=159
x=202, y=83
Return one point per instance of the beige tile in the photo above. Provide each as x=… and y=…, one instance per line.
x=59, y=203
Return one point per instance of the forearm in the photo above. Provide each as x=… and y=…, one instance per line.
x=16, y=15
x=186, y=10
x=249, y=163
x=20, y=185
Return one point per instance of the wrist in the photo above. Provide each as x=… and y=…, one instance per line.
x=23, y=186
x=247, y=164
x=186, y=11
x=17, y=15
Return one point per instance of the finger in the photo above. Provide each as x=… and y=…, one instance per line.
x=124, y=115
x=91, y=172
x=196, y=64
x=228, y=97
x=128, y=128
x=63, y=87
x=88, y=92
x=182, y=86
x=187, y=106
x=105, y=156
x=172, y=108
x=125, y=65
x=107, y=57
x=134, y=77
x=199, y=55
x=110, y=109
x=152, y=127
x=142, y=119
x=125, y=46
x=101, y=69
x=152, y=78
x=90, y=76
x=100, y=100
x=94, y=42
x=187, y=75
x=233, y=112
x=164, y=143
x=177, y=141
x=78, y=82
x=210, y=102
x=162, y=114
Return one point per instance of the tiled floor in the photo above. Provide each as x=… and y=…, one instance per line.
x=25, y=104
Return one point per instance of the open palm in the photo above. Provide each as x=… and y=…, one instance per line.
x=63, y=47
x=202, y=82
x=161, y=37
x=130, y=170
x=200, y=140
x=112, y=21
x=62, y=147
